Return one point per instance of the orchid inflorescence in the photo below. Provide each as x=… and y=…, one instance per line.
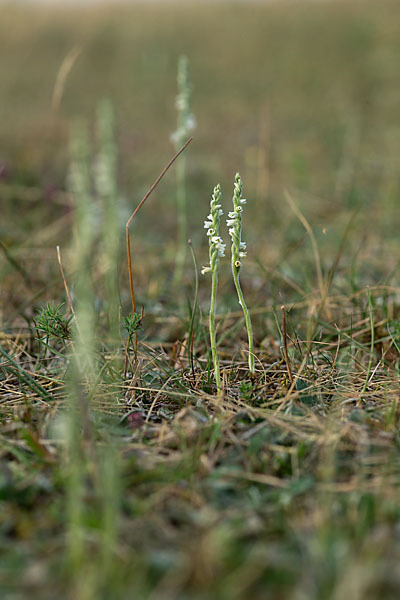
x=212, y=223
x=217, y=251
x=234, y=223
x=238, y=251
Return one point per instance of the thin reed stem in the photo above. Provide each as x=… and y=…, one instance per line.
x=246, y=313
x=216, y=250
x=129, y=221
x=185, y=124
x=213, y=338
x=238, y=252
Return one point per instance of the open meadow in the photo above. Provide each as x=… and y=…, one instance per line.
x=158, y=440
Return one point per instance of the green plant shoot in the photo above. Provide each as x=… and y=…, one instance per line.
x=238, y=252
x=216, y=250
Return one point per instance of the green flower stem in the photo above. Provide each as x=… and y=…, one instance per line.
x=216, y=249
x=213, y=339
x=238, y=252
x=249, y=327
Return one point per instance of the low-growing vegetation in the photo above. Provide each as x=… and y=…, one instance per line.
x=168, y=431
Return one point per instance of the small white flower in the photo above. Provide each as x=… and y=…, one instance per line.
x=220, y=212
x=180, y=102
x=208, y=224
x=230, y=222
x=216, y=239
x=205, y=270
x=232, y=215
x=190, y=122
x=210, y=231
x=239, y=252
x=175, y=137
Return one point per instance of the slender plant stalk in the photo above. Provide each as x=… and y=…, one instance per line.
x=62, y=75
x=107, y=192
x=194, y=310
x=235, y=273
x=84, y=244
x=182, y=221
x=129, y=221
x=213, y=338
x=83, y=363
x=185, y=124
x=238, y=251
x=66, y=288
x=216, y=250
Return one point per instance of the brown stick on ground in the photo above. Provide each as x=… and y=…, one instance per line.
x=285, y=346
x=69, y=301
x=139, y=206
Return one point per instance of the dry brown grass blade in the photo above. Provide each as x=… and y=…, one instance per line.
x=62, y=75
x=129, y=221
x=69, y=301
x=311, y=235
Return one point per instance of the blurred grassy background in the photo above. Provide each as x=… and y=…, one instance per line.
x=258, y=496
x=302, y=96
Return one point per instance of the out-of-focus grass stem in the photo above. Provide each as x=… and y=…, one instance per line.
x=107, y=190
x=185, y=124
x=82, y=371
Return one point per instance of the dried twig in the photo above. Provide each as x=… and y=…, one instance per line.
x=69, y=301
x=62, y=75
x=139, y=206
